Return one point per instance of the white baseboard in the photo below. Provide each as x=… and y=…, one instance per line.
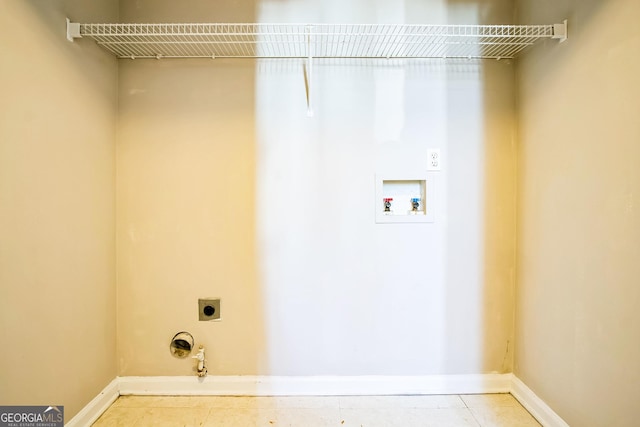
x=97, y=406
x=316, y=386
x=536, y=406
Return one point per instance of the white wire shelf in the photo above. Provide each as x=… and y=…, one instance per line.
x=314, y=40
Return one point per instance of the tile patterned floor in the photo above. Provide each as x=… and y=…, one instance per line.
x=481, y=410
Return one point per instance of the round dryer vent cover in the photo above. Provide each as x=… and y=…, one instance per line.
x=181, y=344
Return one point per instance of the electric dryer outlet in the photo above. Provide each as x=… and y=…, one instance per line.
x=209, y=309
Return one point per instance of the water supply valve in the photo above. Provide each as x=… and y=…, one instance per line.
x=201, y=368
x=387, y=204
x=415, y=204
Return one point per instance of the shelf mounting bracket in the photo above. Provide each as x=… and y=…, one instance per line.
x=73, y=30
x=560, y=31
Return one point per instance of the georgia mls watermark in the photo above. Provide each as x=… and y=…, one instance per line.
x=31, y=416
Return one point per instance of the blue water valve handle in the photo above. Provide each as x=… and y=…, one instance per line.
x=415, y=203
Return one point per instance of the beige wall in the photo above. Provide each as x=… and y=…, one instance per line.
x=186, y=215
x=226, y=188
x=577, y=322
x=186, y=203
x=57, y=135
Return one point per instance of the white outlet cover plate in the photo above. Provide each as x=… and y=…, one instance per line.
x=434, y=159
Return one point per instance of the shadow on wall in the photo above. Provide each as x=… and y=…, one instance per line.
x=186, y=209
x=491, y=276
x=481, y=207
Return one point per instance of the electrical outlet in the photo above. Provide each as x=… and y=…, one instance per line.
x=209, y=309
x=434, y=159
